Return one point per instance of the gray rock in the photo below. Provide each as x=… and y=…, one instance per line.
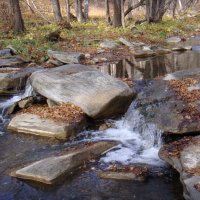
x=143, y=53
x=14, y=79
x=12, y=62
x=162, y=51
x=34, y=125
x=108, y=44
x=97, y=94
x=25, y=103
x=187, y=162
x=173, y=39
x=51, y=169
x=158, y=105
x=66, y=57
x=126, y=42
x=5, y=52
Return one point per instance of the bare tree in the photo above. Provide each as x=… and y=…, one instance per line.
x=56, y=10
x=68, y=10
x=18, y=23
x=79, y=11
x=107, y=8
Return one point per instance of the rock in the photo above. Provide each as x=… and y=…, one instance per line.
x=143, y=54
x=51, y=169
x=54, y=62
x=97, y=94
x=12, y=62
x=51, y=103
x=35, y=125
x=87, y=55
x=162, y=51
x=161, y=108
x=14, y=79
x=109, y=44
x=5, y=52
x=12, y=49
x=182, y=48
x=184, y=156
x=126, y=42
x=129, y=176
x=173, y=39
x=105, y=126
x=66, y=57
x=25, y=103
x=100, y=51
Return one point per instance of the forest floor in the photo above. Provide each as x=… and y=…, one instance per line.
x=86, y=37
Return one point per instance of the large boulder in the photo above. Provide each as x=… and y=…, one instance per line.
x=184, y=156
x=97, y=94
x=51, y=169
x=172, y=104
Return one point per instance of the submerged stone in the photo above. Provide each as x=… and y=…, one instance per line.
x=51, y=169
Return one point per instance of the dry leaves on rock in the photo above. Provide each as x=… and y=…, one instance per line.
x=64, y=112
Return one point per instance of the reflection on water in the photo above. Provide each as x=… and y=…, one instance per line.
x=154, y=67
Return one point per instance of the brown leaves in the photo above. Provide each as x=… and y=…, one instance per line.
x=137, y=169
x=174, y=149
x=64, y=112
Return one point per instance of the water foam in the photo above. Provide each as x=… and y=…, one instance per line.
x=139, y=141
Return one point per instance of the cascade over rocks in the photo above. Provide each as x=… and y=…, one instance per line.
x=171, y=106
x=97, y=94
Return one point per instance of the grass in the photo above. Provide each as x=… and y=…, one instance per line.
x=33, y=44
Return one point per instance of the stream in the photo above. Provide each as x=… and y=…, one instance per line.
x=139, y=143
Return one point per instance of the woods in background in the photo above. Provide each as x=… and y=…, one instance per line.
x=115, y=10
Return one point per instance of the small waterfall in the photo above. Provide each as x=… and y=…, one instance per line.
x=139, y=141
x=9, y=102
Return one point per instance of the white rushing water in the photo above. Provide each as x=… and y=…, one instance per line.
x=139, y=141
x=9, y=102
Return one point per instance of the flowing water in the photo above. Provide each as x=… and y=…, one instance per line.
x=139, y=143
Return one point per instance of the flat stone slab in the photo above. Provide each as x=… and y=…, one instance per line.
x=12, y=61
x=5, y=52
x=51, y=169
x=184, y=156
x=34, y=125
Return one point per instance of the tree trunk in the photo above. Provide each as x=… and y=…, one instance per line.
x=56, y=10
x=86, y=9
x=155, y=9
x=79, y=11
x=107, y=8
x=68, y=10
x=18, y=23
x=117, y=18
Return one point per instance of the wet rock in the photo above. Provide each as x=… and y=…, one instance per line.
x=54, y=62
x=51, y=169
x=184, y=156
x=122, y=176
x=14, y=79
x=161, y=108
x=66, y=57
x=97, y=94
x=35, y=125
x=12, y=62
x=173, y=39
x=104, y=126
x=109, y=44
